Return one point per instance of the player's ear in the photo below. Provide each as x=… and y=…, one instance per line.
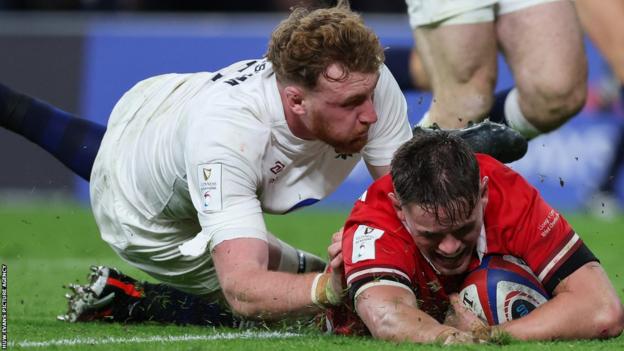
x=484, y=190
x=397, y=206
x=294, y=99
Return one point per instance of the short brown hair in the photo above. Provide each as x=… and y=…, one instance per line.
x=437, y=171
x=305, y=44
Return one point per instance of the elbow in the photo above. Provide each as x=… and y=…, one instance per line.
x=609, y=320
x=240, y=300
x=242, y=309
x=385, y=328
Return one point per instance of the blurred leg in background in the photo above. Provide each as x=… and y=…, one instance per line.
x=604, y=23
x=542, y=43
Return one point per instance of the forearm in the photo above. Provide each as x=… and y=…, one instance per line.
x=253, y=291
x=585, y=306
x=401, y=323
x=392, y=313
x=377, y=171
x=561, y=318
x=271, y=295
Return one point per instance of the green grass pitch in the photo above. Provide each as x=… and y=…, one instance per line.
x=46, y=246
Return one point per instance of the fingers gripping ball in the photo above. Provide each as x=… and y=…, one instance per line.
x=502, y=289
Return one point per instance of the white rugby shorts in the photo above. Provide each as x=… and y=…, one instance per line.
x=446, y=12
x=148, y=243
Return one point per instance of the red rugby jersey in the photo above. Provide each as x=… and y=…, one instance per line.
x=517, y=221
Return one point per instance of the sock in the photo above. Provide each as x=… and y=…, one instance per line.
x=72, y=140
x=398, y=60
x=164, y=304
x=497, y=113
x=136, y=302
x=515, y=119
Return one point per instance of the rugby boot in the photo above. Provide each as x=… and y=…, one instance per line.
x=487, y=137
x=115, y=297
x=106, y=297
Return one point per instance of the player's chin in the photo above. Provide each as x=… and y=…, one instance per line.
x=354, y=146
x=448, y=266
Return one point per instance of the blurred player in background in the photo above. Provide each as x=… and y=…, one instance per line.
x=458, y=42
x=414, y=234
x=604, y=23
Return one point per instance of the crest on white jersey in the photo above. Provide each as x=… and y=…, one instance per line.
x=364, y=240
x=209, y=179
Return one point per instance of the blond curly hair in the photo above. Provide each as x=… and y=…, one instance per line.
x=308, y=41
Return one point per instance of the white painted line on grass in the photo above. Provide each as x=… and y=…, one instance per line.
x=157, y=338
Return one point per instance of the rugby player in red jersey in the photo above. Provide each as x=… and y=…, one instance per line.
x=414, y=234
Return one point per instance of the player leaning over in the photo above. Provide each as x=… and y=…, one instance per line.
x=190, y=162
x=414, y=234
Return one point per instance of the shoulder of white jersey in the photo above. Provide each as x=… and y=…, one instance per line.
x=387, y=83
x=163, y=85
x=241, y=68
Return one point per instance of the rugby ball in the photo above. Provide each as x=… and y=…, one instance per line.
x=501, y=289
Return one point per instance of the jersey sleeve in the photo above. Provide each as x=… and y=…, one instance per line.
x=535, y=231
x=392, y=128
x=223, y=165
x=375, y=256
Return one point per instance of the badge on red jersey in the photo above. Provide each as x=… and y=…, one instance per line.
x=364, y=240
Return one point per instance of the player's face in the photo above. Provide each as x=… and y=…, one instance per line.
x=448, y=247
x=340, y=113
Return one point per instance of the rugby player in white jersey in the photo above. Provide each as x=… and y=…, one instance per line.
x=190, y=162
x=541, y=40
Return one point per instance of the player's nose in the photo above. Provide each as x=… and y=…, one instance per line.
x=368, y=115
x=449, y=246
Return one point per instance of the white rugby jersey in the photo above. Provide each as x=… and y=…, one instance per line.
x=214, y=147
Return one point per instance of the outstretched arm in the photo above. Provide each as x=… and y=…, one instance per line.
x=392, y=313
x=585, y=305
x=255, y=292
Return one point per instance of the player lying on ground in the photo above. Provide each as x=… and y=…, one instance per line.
x=189, y=162
x=414, y=234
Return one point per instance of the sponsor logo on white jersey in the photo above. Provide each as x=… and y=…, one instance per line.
x=209, y=178
x=343, y=156
x=278, y=167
